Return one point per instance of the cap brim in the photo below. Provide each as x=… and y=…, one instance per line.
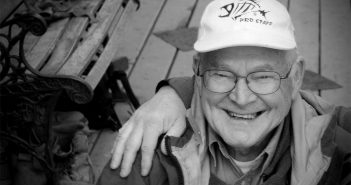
x=267, y=39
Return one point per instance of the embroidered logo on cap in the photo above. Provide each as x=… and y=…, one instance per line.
x=245, y=11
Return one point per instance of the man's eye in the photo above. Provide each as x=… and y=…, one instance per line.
x=263, y=76
x=221, y=74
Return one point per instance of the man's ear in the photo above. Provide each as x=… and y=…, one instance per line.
x=297, y=75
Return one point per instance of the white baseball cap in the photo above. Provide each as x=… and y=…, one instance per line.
x=230, y=23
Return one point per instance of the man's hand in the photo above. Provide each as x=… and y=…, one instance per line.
x=165, y=112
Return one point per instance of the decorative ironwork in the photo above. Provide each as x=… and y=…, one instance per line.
x=18, y=76
x=77, y=90
x=28, y=98
x=13, y=63
x=26, y=122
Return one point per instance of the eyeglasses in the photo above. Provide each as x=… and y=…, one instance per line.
x=260, y=82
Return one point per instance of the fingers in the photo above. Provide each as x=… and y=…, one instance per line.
x=176, y=130
x=131, y=148
x=150, y=138
x=119, y=145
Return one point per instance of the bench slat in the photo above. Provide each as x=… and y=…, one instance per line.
x=81, y=57
x=336, y=49
x=107, y=55
x=70, y=38
x=46, y=44
x=175, y=14
x=130, y=39
x=66, y=45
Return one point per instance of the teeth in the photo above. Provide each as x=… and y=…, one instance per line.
x=243, y=116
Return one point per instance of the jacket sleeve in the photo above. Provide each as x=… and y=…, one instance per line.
x=184, y=86
x=344, y=118
x=343, y=131
x=346, y=171
x=157, y=175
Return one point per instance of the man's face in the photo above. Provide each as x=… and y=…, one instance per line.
x=241, y=117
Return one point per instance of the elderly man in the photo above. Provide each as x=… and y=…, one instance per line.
x=248, y=121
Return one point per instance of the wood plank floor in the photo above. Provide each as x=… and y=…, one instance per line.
x=322, y=27
x=335, y=52
x=322, y=32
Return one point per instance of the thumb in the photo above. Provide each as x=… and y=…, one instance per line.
x=176, y=130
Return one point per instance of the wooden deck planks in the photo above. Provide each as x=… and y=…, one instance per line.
x=175, y=14
x=157, y=56
x=139, y=22
x=100, y=154
x=151, y=68
x=336, y=49
x=183, y=65
x=137, y=29
x=305, y=16
x=184, y=60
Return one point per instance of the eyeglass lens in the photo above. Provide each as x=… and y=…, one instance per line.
x=262, y=82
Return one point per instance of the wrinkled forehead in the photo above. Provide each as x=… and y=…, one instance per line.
x=249, y=56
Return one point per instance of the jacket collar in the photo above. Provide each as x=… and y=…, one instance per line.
x=310, y=117
x=269, y=150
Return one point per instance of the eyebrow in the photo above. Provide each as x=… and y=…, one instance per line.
x=265, y=67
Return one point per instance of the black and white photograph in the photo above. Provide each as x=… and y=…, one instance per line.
x=175, y=92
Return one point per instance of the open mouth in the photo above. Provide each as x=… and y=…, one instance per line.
x=250, y=116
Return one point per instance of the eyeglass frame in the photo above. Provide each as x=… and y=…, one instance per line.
x=239, y=77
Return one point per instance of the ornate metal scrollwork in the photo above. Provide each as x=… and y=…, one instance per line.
x=77, y=90
x=34, y=23
x=5, y=63
x=14, y=64
x=15, y=68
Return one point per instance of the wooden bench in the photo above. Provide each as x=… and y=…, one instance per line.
x=49, y=64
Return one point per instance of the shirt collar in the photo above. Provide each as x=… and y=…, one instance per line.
x=270, y=149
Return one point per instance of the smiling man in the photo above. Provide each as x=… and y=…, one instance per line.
x=246, y=93
x=248, y=122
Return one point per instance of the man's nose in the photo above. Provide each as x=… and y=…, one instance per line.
x=241, y=94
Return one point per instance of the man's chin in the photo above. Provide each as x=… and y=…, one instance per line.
x=241, y=140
